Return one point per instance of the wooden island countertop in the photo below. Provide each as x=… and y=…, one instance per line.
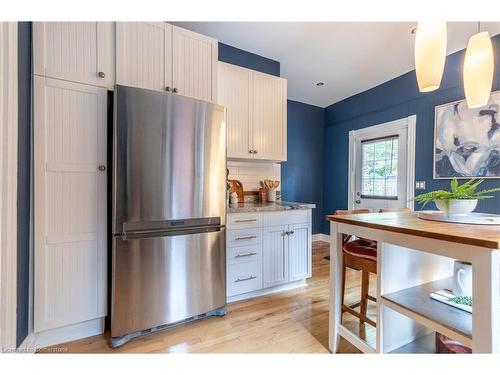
x=485, y=236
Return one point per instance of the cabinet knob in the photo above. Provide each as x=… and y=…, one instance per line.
x=167, y=88
x=102, y=168
x=250, y=151
x=291, y=232
x=286, y=233
x=101, y=75
x=254, y=151
x=174, y=90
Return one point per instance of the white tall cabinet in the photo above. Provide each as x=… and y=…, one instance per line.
x=160, y=56
x=80, y=52
x=256, y=113
x=70, y=202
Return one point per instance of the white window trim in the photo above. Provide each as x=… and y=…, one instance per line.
x=8, y=185
x=388, y=128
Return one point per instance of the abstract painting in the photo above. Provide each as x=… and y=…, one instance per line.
x=467, y=141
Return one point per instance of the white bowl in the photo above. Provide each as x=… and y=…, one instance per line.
x=456, y=206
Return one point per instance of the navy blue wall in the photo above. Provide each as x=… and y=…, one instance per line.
x=236, y=56
x=23, y=179
x=389, y=101
x=302, y=173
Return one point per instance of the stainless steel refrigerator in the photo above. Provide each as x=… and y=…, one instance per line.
x=169, y=183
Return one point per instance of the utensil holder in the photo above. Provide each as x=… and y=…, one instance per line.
x=271, y=195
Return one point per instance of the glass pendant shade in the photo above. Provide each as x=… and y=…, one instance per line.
x=478, y=70
x=430, y=54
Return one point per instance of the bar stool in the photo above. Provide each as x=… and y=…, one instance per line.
x=359, y=254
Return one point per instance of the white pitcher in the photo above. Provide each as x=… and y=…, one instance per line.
x=462, y=278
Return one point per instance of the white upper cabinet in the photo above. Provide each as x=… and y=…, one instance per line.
x=234, y=92
x=70, y=248
x=159, y=56
x=144, y=54
x=194, y=64
x=269, y=117
x=80, y=52
x=256, y=113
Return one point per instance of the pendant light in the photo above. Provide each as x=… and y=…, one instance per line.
x=478, y=69
x=430, y=54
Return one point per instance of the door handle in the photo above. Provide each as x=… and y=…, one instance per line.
x=245, y=238
x=358, y=201
x=245, y=255
x=238, y=280
x=102, y=168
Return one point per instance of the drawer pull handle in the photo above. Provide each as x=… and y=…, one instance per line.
x=245, y=221
x=245, y=238
x=245, y=255
x=238, y=280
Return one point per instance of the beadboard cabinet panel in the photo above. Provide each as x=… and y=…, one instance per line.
x=75, y=51
x=268, y=127
x=194, y=64
x=144, y=54
x=275, y=256
x=69, y=203
x=234, y=93
x=300, y=251
x=256, y=113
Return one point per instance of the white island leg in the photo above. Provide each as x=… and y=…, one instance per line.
x=336, y=264
x=486, y=302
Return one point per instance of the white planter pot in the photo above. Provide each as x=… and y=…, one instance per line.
x=457, y=206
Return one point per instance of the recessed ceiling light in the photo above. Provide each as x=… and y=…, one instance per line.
x=320, y=84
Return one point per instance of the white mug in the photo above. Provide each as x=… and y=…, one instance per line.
x=462, y=278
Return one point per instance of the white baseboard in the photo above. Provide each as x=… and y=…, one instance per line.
x=263, y=292
x=321, y=237
x=67, y=333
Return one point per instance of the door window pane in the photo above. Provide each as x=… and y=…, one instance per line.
x=379, y=168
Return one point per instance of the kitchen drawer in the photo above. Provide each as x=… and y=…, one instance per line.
x=243, y=254
x=244, y=237
x=244, y=277
x=287, y=217
x=244, y=220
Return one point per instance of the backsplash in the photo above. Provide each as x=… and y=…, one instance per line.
x=252, y=173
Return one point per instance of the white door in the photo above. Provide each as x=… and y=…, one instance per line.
x=299, y=251
x=69, y=202
x=268, y=125
x=144, y=55
x=75, y=51
x=379, y=166
x=194, y=64
x=274, y=256
x=233, y=92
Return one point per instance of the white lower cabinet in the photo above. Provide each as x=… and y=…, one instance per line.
x=268, y=251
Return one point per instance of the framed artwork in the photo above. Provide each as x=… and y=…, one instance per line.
x=467, y=141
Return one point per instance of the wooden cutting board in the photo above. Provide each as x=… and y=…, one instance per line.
x=237, y=186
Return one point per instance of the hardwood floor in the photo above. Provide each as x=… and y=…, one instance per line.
x=290, y=322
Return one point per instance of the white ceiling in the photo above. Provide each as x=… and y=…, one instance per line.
x=349, y=57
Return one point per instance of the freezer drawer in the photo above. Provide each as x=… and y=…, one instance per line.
x=164, y=280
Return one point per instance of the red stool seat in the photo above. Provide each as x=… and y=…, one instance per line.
x=362, y=248
x=448, y=346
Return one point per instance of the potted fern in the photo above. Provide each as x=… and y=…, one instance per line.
x=461, y=199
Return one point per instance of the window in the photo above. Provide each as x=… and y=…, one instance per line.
x=379, y=161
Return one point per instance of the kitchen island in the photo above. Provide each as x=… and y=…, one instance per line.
x=415, y=257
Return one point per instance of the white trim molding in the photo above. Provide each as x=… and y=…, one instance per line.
x=320, y=237
x=8, y=185
x=409, y=123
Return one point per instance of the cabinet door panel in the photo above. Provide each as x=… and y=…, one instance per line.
x=69, y=202
x=194, y=64
x=268, y=127
x=75, y=51
x=233, y=92
x=274, y=256
x=143, y=54
x=299, y=251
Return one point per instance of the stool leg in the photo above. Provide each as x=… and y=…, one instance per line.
x=365, y=283
x=342, y=288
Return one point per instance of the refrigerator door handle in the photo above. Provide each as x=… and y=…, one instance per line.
x=171, y=232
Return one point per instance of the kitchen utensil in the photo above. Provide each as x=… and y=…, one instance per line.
x=237, y=187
